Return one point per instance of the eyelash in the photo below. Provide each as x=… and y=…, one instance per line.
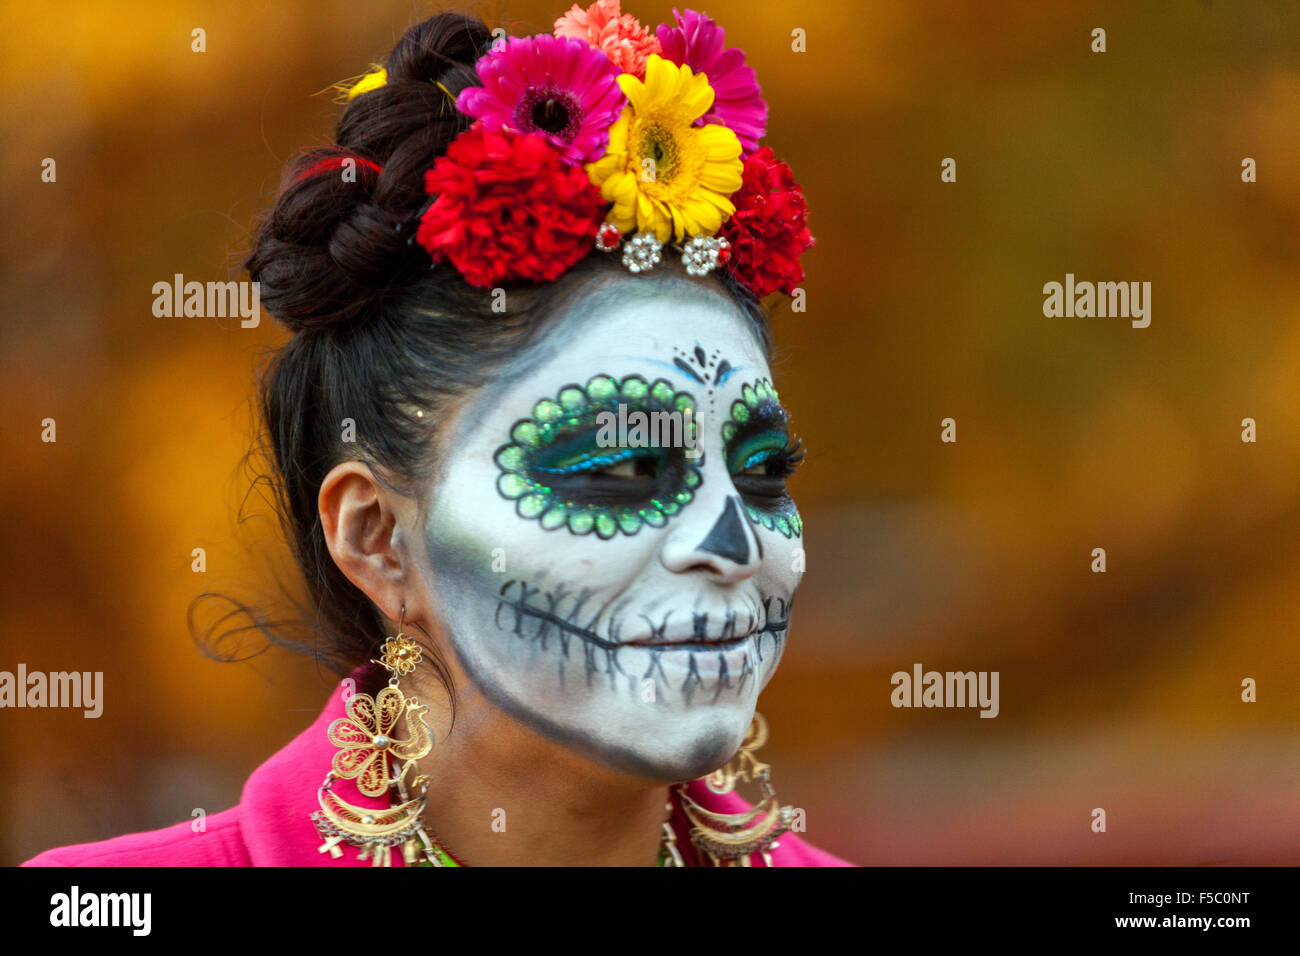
x=789, y=458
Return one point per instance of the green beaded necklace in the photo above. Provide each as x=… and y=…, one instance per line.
x=446, y=858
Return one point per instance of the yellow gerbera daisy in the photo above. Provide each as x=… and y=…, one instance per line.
x=663, y=174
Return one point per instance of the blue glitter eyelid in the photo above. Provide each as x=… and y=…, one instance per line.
x=591, y=464
x=758, y=458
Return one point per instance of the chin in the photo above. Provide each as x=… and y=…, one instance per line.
x=703, y=755
x=664, y=745
x=669, y=749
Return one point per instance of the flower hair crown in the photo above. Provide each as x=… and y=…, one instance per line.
x=605, y=133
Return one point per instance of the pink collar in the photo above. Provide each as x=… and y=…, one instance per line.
x=280, y=796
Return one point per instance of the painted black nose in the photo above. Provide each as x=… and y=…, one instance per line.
x=727, y=538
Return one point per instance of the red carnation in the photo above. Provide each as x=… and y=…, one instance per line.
x=768, y=231
x=508, y=208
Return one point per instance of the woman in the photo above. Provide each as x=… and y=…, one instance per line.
x=530, y=459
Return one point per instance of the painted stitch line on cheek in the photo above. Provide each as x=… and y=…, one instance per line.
x=565, y=618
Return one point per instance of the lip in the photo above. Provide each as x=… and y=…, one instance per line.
x=700, y=636
x=775, y=617
x=692, y=642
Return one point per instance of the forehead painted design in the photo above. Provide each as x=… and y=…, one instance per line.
x=709, y=369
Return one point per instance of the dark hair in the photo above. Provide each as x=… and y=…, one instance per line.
x=379, y=333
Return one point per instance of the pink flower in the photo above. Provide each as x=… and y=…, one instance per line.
x=738, y=104
x=560, y=88
x=620, y=36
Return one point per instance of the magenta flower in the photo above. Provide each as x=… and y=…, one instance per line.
x=563, y=88
x=738, y=103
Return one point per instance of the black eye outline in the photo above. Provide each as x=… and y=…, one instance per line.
x=758, y=419
x=569, y=492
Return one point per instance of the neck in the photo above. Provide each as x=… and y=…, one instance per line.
x=500, y=794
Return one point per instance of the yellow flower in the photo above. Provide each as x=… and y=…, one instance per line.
x=663, y=174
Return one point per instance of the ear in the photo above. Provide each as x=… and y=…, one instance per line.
x=360, y=519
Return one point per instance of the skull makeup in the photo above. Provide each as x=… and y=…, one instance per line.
x=627, y=598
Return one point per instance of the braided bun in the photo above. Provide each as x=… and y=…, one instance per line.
x=332, y=245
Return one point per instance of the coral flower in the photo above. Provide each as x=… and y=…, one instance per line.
x=619, y=35
x=560, y=88
x=738, y=103
x=663, y=173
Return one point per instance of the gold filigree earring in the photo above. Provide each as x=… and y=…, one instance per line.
x=378, y=761
x=729, y=839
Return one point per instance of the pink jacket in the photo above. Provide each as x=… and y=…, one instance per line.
x=271, y=825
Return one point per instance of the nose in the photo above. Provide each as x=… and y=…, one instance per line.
x=724, y=545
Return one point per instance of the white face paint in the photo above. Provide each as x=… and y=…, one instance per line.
x=628, y=602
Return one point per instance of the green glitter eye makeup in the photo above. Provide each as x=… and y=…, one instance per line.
x=584, y=463
x=760, y=455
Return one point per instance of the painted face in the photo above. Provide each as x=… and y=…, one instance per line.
x=599, y=579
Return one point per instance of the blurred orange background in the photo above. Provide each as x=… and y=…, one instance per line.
x=1119, y=690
